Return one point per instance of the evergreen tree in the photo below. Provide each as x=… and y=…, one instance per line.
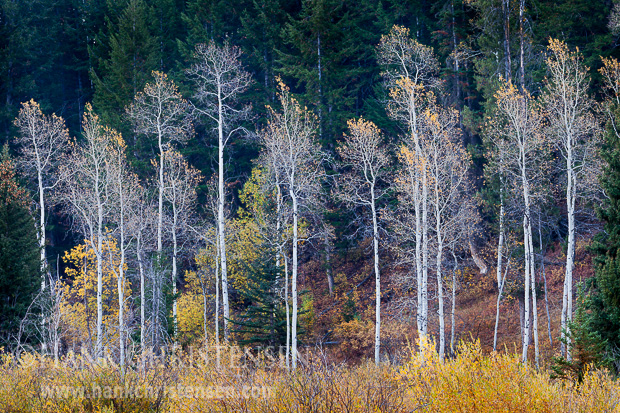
x=123, y=62
x=604, y=304
x=331, y=56
x=264, y=319
x=585, y=344
x=20, y=266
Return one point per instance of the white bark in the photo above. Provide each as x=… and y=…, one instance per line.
x=364, y=152
x=575, y=131
x=220, y=79
x=288, y=140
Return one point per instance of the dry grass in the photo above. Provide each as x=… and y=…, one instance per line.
x=472, y=382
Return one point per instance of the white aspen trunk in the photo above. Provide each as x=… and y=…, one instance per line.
x=328, y=266
x=526, y=316
x=452, y=315
x=204, y=314
x=286, y=286
x=42, y=230
x=288, y=315
x=99, y=254
x=220, y=214
x=160, y=211
x=174, y=273
x=500, y=241
x=542, y=265
x=533, y=285
x=142, y=294
x=567, y=296
x=425, y=252
x=294, y=279
x=217, y=303
x=418, y=257
x=500, y=245
x=42, y=246
x=442, y=326
x=158, y=273
x=499, y=300
x=121, y=301
x=155, y=305
x=121, y=276
x=375, y=232
x=526, y=241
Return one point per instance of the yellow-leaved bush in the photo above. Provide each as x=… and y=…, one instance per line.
x=197, y=382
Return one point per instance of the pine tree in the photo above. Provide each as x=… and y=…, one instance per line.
x=20, y=267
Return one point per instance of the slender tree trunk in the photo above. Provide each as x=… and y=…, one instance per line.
x=567, y=296
x=328, y=265
x=288, y=315
x=453, y=313
x=42, y=231
x=220, y=215
x=142, y=294
x=500, y=241
x=375, y=243
x=526, y=288
x=418, y=257
x=160, y=211
x=499, y=301
x=99, y=254
x=282, y=256
x=294, y=280
x=173, y=277
x=533, y=286
x=442, y=321
x=217, y=302
x=542, y=266
x=425, y=252
x=42, y=246
x=121, y=292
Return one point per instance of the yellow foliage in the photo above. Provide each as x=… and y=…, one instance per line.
x=79, y=305
x=472, y=382
x=190, y=309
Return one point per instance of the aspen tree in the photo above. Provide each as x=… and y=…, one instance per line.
x=88, y=192
x=448, y=165
x=518, y=121
x=289, y=138
x=409, y=69
x=219, y=79
x=365, y=156
x=159, y=111
x=42, y=142
x=180, y=181
x=573, y=128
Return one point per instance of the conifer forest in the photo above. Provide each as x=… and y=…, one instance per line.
x=309, y=205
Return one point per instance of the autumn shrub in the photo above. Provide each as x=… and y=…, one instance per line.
x=232, y=379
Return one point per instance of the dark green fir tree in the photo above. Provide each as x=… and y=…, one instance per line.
x=604, y=303
x=20, y=265
x=263, y=322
